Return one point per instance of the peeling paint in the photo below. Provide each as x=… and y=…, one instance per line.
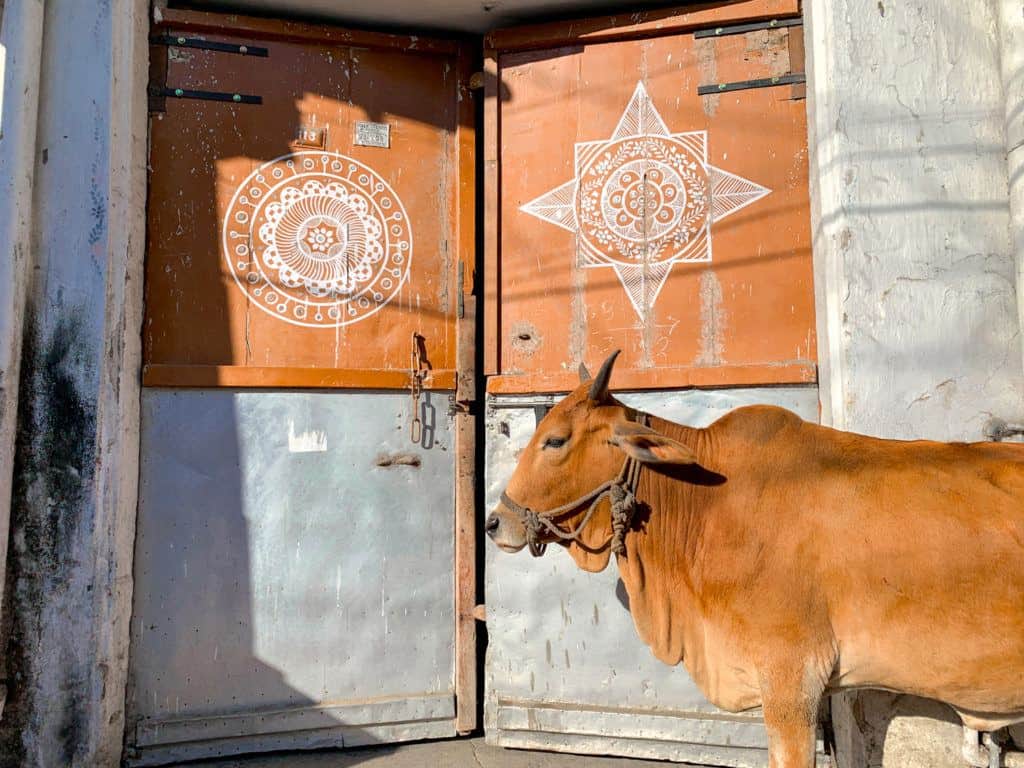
x=707, y=66
x=712, y=321
x=525, y=338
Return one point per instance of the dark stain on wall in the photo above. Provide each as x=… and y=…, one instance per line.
x=53, y=468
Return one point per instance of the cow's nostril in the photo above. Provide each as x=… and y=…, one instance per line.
x=492, y=524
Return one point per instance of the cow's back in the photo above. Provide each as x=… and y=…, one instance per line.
x=911, y=554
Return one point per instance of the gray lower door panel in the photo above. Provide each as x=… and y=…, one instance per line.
x=293, y=573
x=565, y=669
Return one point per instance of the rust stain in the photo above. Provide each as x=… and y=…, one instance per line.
x=707, y=66
x=771, y=47
x=176, y=54
x=398, y=460
x=525, y=338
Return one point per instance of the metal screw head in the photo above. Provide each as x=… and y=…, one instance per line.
x=718, y=30
x=721, y=86
x=236, y=97
x=181, y=41
x=243, y=49
x=178, y=92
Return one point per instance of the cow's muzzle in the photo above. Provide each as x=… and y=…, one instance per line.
x=505, y=531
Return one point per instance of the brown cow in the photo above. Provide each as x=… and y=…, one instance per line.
x=780, y=560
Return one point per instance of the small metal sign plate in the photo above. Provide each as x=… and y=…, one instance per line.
x=373, y=134
x=309, y=136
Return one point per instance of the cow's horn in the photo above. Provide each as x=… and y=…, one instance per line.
x=584, y=373
x=599, y=389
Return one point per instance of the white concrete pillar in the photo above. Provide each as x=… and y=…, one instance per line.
x=915, y=270
x=21, y=39
x=73, y=516
x=1011, y=40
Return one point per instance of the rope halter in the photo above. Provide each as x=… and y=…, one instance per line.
x=622, y=496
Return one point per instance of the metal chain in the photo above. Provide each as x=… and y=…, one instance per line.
x=417, y=373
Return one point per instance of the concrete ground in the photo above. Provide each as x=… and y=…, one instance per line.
x=453, y=753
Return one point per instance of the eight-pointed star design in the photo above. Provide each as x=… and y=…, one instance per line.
x=643, y=200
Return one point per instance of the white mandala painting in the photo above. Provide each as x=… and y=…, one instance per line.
x=317, y=239
x=643, y=200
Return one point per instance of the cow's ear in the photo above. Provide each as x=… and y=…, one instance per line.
x=650, y=447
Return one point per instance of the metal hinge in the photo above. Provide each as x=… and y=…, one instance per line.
x=742, y=29
x=208, y=45
x=744, y=85
x=159, y=91
x=793, y=78
x=185, y=93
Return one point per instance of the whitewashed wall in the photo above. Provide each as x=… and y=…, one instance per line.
x=916, y=266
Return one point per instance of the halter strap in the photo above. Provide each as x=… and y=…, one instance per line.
x=621, y=490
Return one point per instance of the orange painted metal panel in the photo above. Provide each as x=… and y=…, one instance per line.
x=276, y=240
x=630, y=212
x=211, y=376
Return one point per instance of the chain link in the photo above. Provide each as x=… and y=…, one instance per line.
x=417, y=373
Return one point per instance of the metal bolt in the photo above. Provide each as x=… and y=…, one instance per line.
x=181, y=41
x=178, y=92
x=773, y=23
x=722, y=86
x=243, y=49
x=718, y=30
x=236, y=97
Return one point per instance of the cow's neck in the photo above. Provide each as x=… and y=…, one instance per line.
x=662, y=562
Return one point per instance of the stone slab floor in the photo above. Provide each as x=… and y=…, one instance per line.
x=456, y=753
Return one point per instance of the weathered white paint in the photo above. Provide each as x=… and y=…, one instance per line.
x=21, y=38
x=919, y=332
x=118, y=397
x=74, y=515
x=1011, y=48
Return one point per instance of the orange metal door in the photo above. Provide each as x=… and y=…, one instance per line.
x=304, y=240
x=306, y=501
x=646, y=190
x=631, y=211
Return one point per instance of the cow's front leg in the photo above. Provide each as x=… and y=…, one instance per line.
x=790, y=741
x=791, y=718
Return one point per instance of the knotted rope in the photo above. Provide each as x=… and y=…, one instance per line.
x=622, y=498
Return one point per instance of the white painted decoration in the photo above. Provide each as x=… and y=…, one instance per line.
x=317, y=239
x=643, y=200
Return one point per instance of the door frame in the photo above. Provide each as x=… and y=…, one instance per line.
x=460, y=382
x=115, y=488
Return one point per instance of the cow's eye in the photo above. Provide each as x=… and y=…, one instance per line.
x=555, y=442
